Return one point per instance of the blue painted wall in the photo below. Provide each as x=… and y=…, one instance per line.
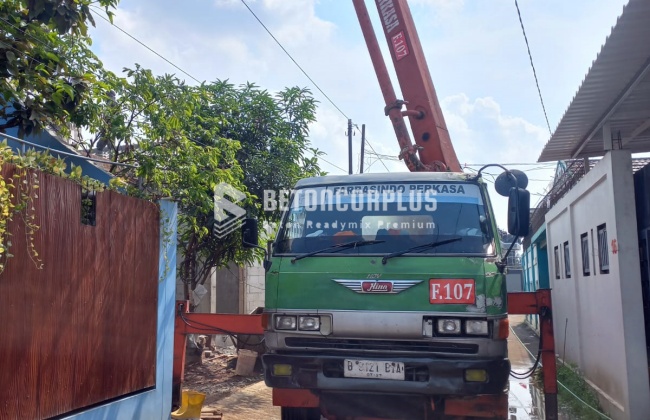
x=535, y=263
x=156, y=403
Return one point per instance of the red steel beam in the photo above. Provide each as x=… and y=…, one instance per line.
x=539, y=303
x=295, y=398
x=208, y=324
x=492, y=406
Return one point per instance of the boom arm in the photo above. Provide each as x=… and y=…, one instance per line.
x=432, y=142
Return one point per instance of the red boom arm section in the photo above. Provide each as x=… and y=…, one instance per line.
x=432, y=141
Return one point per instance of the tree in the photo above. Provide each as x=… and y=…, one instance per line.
x=186, y=140
x=182, y=140
x=46, y=65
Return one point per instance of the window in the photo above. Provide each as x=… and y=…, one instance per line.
x=584, y=244
x=567, y=261
x=557, y=262
x=603, y=249
x=593, y=252
x=398, y=216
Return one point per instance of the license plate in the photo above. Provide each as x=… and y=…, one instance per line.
x=375, y=369
x=457, y=291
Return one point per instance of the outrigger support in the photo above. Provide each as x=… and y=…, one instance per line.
x=207, y=324
x=519, y=303
x=539, y=303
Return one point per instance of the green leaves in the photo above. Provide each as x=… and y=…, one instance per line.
x=181, y=140
x=45, y=62
x=188, y=139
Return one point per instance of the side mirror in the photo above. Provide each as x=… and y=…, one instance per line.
x=518, y=211
x=510, y=179
x=250, y=239
x=249, y=233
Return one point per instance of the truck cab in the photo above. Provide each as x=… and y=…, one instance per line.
x=386, y=288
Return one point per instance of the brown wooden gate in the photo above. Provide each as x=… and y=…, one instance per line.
x=81, y=330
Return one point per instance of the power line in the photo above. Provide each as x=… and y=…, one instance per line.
x=378, y=157
x=304, y=72
x=189, y=75
x=147, y=47
x=334, y=165
x=24, y=32
x=539, y=91
x=292, y=59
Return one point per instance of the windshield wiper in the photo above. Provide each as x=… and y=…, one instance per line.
x=420, y=248
x=336, y=248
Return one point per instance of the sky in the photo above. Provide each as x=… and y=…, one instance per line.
x=475, y=51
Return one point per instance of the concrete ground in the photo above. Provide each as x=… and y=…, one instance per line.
x=250, y=403
x=526, y=402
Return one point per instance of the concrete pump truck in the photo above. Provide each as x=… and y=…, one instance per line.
x=385, y=293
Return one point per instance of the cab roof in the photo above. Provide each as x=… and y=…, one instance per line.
x=384, y=178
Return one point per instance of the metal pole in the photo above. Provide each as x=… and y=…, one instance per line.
x=363, y=145
x=350, y=146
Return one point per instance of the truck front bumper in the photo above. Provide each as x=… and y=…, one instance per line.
x=423, y=375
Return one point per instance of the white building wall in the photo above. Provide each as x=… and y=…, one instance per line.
x=254, y=288
x=605, y=329
x=249, y=280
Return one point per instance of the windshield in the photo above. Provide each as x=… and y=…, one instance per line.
x=400, y=215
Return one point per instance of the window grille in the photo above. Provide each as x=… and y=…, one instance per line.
x=584, y=242
x=567, y=261
x=603, y=249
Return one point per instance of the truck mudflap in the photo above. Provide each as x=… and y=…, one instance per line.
x=423, y=376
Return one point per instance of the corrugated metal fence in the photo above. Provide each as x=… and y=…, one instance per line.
x=81, y=330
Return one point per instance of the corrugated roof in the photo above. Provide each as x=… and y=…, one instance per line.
x=616, y=90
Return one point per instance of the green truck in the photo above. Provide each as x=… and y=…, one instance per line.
x=387, y=292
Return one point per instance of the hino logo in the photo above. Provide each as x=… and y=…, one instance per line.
x=378, y=286
x=388, y=15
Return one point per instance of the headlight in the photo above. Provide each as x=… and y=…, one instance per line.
x=285, y=322
x=476, y=327
x=449, y=326
x=309, y=323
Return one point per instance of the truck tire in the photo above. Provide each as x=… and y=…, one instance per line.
x=300, y=413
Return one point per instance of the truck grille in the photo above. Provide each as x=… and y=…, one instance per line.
x=381, y=345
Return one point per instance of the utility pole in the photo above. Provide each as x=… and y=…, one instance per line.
x=350, y=146
x=363, y=145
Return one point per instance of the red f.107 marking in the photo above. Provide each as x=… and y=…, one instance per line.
x=457, y=291
x=399, y=45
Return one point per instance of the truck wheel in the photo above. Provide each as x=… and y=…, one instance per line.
x=300, y=413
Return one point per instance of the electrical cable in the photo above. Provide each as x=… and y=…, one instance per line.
x=308, y=77
x=527, y=374
x=379, y=158
x=192, y=77
x=147, y=47
x=561, y=384
x=292, y=59
x=373, y=150
x=28, y=35
x=539, y=91
x=334, y=165
x=32, y=57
